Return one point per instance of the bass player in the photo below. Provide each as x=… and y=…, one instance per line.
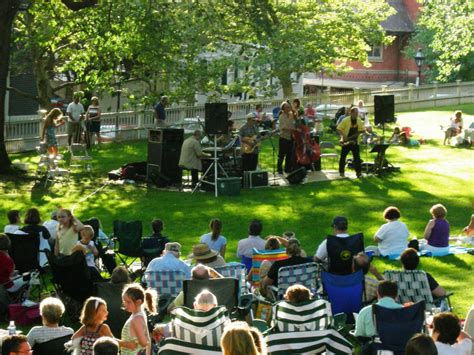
x=349, y=130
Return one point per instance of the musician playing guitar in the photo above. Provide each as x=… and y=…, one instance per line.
x=248, y=135
x=349, y=130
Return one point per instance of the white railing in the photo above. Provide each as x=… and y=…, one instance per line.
x=22, y=132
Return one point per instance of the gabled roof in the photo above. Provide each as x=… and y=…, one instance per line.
x=399, y=22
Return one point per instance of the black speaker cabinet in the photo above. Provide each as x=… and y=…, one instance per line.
x=164, y=148
x=297, y=176
x=215, y=118
x=384, y=109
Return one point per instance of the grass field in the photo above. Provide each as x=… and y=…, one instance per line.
x=429, y=174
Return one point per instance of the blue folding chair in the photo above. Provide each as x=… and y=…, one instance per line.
x=247, y=262
x=344, y=292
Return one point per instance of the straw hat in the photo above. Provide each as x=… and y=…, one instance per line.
x=202, y=251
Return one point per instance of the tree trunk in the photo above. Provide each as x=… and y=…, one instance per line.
x=8, y=9
x=286, y=84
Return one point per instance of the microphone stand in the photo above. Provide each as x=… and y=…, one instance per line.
x=273, y=163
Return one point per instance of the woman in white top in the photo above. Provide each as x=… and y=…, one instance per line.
x=392, y=237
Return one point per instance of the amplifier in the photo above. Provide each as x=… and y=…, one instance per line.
x=255, y=179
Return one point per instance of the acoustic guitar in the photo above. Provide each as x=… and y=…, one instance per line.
x=249, y=148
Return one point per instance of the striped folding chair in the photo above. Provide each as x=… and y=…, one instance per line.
x=165, y=282
x=173, y=346
x=198, y=327
x=308, y=342
x=413, y=286
x=259, y=256
x=236, y=271
x=299, y=317
x=303, y=274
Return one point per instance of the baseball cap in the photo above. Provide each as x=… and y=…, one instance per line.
x=251, y=115
x=173, y=246
x=340, y=222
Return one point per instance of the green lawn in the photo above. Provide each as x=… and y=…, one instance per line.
x=429, y=174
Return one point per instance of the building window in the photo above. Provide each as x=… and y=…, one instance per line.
x=375, y=52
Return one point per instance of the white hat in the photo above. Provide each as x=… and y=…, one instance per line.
x=251, y=115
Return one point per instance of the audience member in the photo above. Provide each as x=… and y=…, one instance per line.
x=68, y=228
x=13, y=222
x=294, y=258
x=310, y=112
x=297, y=294
x=437, y=231
x=469, y=229
x=238, y=340
x=245, y=246
x=214, y=239
x=51, y=310
x=410, y=261
x=87, y=246
x=15, y=344
x=448, y=337
x=7, y=267
x=340, y=226
x=395, y=138
x=203, y=255
x=154, y=245
x=455, y=127
x=421, y=344
x=392, y=237
x=33, y=226
x=272, y=243
x=135, y=336
x=362, y=262
x=93, y=315
x=363, y=114
x=205, y=301
x=370, y=136
x=52, y=227
x=170, y=260
x=387, y=294
x=106, y=346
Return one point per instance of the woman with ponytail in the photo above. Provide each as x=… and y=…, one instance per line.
x=135, y=335
x=215, y=240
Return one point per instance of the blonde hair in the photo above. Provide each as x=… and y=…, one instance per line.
x=238, y=340
x=136, y=293
x=89, y=310
x=52, y=309
x=53, y=114
x=438, y=211
x=88, y=231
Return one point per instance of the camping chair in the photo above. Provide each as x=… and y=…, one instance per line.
x=259, y=256
x=413, y=286
x=396, y=326
x=112, y=294
x=173, y=346
x=129, y=236
x=328, y=151
x=303, y=274
x=308, y=342
x=344, y=292
x=226, y=290
x=236, y=271
x=299, y=317
x=341, y=251
x=165, y=282
x=54, y=346
x=247, y=262
x=24, y=250
x=80, y=157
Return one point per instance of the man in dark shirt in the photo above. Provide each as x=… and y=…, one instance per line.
x=293, y=250
x=154, y=245
x=160, y=113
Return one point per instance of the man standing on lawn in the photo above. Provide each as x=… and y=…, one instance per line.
x=75, y=112
x=160, y=113
x=349, y=130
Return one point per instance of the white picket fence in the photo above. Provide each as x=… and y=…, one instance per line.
x=23, y=132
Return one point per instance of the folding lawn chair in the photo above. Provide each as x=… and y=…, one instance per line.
x=259, y=256
x=165, y=282
x=24, y=251
x=129, y=236
x=226, y=290
x=303, y=274
x=235, y=270
x=54, y=346
x=173, y=346
x=341, y=251
x=413, y=286
x=80, y=157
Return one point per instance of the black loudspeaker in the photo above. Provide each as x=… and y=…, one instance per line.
x=164, y=148
x=384, y=109
x=215, y=118
x=297, y=176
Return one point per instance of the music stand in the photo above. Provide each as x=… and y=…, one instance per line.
x=380, y=149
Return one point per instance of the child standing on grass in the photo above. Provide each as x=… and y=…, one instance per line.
x=48, y=135
x=87, y=246
x=93, y=315
x=135, y=335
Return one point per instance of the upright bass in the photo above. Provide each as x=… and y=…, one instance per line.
x=306, y=150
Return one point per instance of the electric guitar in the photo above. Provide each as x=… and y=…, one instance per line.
x=249, y=148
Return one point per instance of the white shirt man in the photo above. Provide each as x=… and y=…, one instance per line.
x=339, y=225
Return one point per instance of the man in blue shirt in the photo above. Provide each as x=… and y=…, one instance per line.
x=170, y=261
x=160, y=113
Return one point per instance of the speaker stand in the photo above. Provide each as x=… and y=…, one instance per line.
x=274, y=183
x=216, y=165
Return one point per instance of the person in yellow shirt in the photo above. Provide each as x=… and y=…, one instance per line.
x=349, y=130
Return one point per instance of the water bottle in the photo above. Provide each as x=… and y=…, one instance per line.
x=12, y=328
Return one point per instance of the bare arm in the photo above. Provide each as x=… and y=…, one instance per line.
x=373, y=270
x=43, y=132
x=79, y=333
x=139, y=328
x=222, y=251
x=267, y=281
x=428, y=229
x=439, y=292
x=77, y=224
x=105, y=331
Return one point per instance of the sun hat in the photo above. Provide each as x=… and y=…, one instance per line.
x=202, y=251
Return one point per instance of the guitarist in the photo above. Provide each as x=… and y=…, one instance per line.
x=248, y=133
x=349, y=129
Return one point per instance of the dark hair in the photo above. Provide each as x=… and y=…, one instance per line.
x=105, y=346
x=255, y=227
x=157, y=225
x=447, y=326
x=32, y=216
x=12, y=343
x=148, y=297
x=361, y=262
x=421, y=344
x=257, y=106
x=4, y=242
x=297, y=101
x=272, y=243
x=120, y=275
x=391, y=213
x=216, y=226
x=297, y=293
x=410, y=259
x=13, y=216
x=387, y=288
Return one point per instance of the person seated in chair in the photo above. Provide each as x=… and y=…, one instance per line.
x=387, y=292
x=154, y=245
x=245, y=246
x=362, y=262
x=190, y=156
x=51, y=310
x=15, y=344
x=297, y=294
x=448, y=336
x=7, y=268
x=13, y=222
x=202, y=254
x=410, y=261
x=421, y=344
x=205, y=301
x=169, y=261
x=293, y=250
x=106, y=346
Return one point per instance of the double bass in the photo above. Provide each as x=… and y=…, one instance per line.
x=306, y=150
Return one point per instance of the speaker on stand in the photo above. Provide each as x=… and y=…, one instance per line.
x=384, y=111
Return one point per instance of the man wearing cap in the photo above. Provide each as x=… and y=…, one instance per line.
x=170, y=261
x=205, y=256
x=339, y=225
x=160, y=113
x=248, y=134
x=191, y=154
x=349, y=130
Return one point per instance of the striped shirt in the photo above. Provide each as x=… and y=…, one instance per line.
x=41, y=334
